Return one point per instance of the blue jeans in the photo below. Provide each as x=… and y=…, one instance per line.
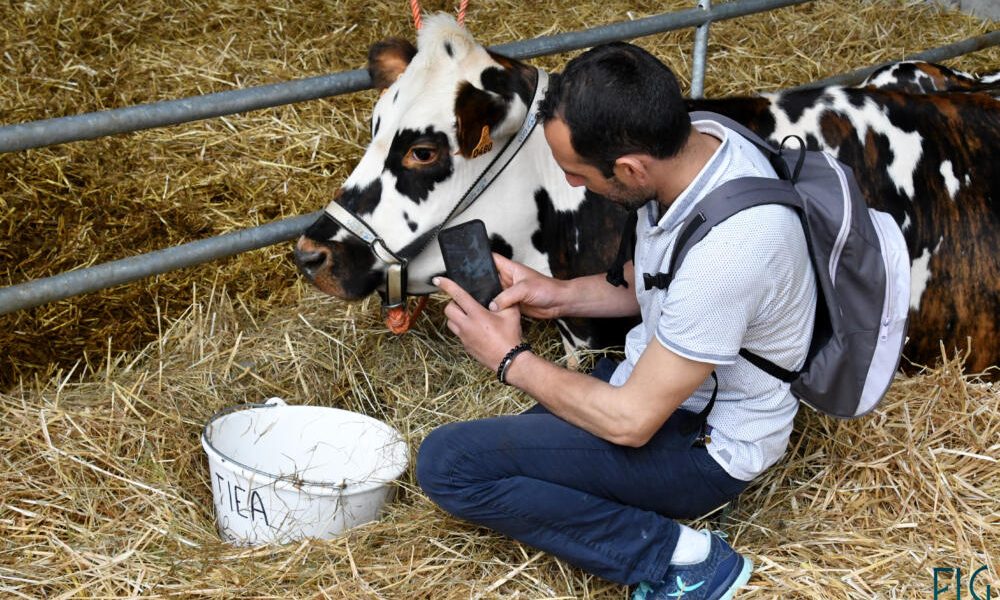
x=604, y=508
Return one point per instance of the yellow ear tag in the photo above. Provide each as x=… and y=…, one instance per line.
x=485, y=143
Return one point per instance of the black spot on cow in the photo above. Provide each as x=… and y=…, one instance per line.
x=521, y=78
x=378, y=123
x=447, y=48
x=811, y=142
x=577, y=243
x=412, y=225
x=742, y=110
x=500, y=246
x=360, y=201
x=505, y=84
x=901, y=112
x=395, y=97
x=353, y=267
x=417, y=183
x=572, y=239
x=418, y=245
x=794, y=104
x=322, y=229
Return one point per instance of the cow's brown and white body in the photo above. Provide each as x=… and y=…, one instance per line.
x=927, y=159
x=919, y=77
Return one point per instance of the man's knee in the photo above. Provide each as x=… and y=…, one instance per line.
x=439, y=455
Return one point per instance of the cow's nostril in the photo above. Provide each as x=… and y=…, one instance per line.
x=310, y=262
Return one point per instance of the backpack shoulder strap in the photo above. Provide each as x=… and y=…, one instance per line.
x=725, y=201
x=626, y=251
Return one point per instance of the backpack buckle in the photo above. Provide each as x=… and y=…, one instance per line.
x=657, y=280
x=704, y=436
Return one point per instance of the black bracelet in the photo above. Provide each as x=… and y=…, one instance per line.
x=509, y=358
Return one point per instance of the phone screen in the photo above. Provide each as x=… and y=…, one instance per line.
x=468, y=262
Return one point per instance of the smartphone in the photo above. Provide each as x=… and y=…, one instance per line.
x=468, y=262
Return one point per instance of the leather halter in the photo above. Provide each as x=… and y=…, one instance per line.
x=394, y=294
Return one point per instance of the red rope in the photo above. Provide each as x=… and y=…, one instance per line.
x=415, y=10
x=400, y=319
x=463, y=7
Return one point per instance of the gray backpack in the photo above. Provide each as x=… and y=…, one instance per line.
x=862, y=270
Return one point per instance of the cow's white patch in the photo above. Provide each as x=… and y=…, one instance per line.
x=882, y=78
x=907, y=147
x=950, y=181
x=907, y=223
x=920, y=274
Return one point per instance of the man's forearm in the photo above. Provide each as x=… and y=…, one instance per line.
x=582, y=400
x=593, y=296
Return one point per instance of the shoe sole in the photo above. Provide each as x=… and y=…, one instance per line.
x=740, y=580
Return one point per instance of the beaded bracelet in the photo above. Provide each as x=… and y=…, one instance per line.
x=509, y=358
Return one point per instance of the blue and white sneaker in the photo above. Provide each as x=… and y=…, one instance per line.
x=715, y=578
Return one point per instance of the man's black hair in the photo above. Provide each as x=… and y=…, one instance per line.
x=618, y=99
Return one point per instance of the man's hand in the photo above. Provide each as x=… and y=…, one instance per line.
x=486, y=335
x=537, y=295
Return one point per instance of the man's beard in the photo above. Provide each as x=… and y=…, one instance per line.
x=629, y=198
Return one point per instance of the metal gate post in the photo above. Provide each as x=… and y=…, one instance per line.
x=700, y=53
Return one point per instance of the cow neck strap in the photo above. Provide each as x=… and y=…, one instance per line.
x=395, y=293
x=506, y=155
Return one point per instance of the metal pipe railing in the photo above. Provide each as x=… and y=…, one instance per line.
x=37, y=134
x=64, y=285
x=127, y=270
x=700, y=55
x=933, y=55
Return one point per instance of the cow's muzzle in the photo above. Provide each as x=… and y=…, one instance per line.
x=311, y=258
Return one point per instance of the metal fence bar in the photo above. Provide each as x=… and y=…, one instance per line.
x=700, y=56
x=934, y=54
x=59, y=130
x=48, y=132
x=626, y=30
x=64, y=285
x=127, y=270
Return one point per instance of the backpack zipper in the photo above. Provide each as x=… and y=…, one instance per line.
x=887, y=307
x=845, y=225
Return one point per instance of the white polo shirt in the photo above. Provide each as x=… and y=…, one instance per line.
x=748, y=284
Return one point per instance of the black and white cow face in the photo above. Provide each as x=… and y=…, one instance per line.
x=447, y=107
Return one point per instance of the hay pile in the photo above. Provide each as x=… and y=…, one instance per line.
x=106, y=490
x=91, y=202
x=105, y=486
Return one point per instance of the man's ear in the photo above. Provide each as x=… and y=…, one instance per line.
x=630, y=169
x=388, y=59
x=476, y=114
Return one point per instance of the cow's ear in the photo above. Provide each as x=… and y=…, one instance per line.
x=388, y=59
x=476, y=114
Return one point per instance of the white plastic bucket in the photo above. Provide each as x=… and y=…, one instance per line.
x=281, y=472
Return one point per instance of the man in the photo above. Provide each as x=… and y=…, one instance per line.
x=599, y=470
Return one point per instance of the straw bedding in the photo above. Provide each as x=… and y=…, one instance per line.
x=105, y=487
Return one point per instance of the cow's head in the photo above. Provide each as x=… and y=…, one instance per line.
x=447, y=107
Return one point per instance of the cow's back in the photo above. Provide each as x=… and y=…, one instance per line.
x=930, y=161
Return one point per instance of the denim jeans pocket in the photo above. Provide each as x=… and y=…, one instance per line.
x=715, y=475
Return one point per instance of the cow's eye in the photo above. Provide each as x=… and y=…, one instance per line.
x=421, y=155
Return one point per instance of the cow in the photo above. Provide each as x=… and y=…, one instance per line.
x=450, y=106
x=920, y=77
